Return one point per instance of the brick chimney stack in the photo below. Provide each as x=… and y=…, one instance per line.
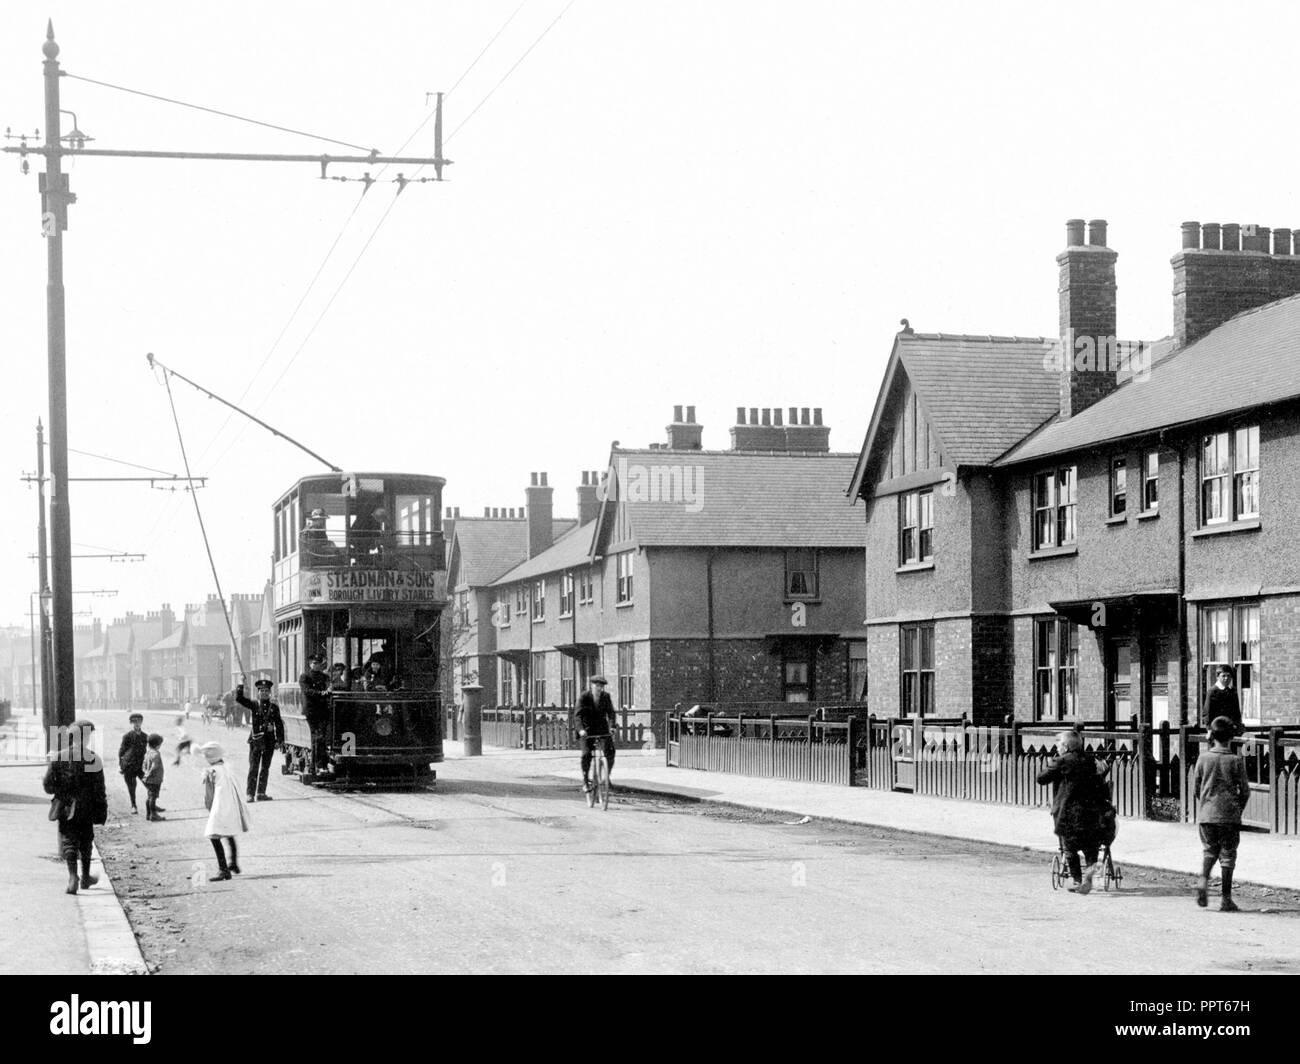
x=588, y=501
x=1223, y=270
x=540, y=508
x=764, y=431
x=684, y=434
x=1087, y=312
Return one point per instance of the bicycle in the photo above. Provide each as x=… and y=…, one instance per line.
x=598, y=786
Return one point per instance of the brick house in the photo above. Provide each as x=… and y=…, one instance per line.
x=703, y=576
x=481, y=549
x=145, y=634
x=252, y=617
x=1076, y=528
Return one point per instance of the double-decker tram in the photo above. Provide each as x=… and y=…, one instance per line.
x=360, y=576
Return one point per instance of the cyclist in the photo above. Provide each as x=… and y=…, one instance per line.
x=595, y=720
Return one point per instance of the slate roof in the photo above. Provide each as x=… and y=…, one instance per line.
x=170, y=641
x=148, y=633
x=1248, y=361
x=981, y=394
x=488, y=547
x=744, y=499
x=570, y=550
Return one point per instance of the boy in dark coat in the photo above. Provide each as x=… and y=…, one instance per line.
x=1222, y=791
x=130, y=755
x=152, y=775
x=1077, y=809
x=1222, y=700
x=76, y=780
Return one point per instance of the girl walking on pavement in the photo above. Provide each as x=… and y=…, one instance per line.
x=76, y=780
x=228, y=812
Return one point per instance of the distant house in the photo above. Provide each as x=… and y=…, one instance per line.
x=1075, y=528
x=481, y=549
x=728, y=576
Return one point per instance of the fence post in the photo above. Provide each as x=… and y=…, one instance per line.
x=1146, y=768
x=771, y=745
x=811, y=733
x=1015, y=762
x=1165, y=790
x=1274, y=791
x=1184, y=805
x=852, y=747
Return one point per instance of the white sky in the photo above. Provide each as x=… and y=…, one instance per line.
x=710, y=203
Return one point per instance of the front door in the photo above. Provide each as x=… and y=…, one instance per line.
x=1123, y=696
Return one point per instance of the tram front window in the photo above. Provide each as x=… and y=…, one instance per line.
x=323, y=535
x=417, y=519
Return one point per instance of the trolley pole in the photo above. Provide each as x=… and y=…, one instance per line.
x=56, y=196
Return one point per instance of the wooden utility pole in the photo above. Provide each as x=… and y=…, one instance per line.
x=56, y=195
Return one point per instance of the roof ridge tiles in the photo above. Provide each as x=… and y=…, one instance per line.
x=984, y=338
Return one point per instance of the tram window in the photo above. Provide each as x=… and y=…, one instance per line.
x=336, y=521
x=416, y=520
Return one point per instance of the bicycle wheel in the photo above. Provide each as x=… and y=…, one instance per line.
x=592, y=782
x=603, y=778
x=1058, y=871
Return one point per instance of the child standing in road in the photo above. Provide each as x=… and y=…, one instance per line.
x=1222, y=791
x=152, y=776
x=183, y=741
x=228, y=814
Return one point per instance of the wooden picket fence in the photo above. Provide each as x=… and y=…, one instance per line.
x=553, y=728
x=787, y=748
x=1272, y=757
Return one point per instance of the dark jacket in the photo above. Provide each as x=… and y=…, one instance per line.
x=593, y=718
x=1081, y=796
x=1221, y=787
x=315, y=704
x=266, y=725
x=1223, y=702
x=130, y=754
x=78, y=787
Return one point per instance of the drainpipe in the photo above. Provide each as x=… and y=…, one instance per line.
x=713, y=665
x=1182, y=585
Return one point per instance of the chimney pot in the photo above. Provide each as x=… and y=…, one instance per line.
x=677, y=414
x=767, y=415
x=1097, y=232
x=1074, y=233
x=1191, y=234
x=457, y=511
x=543, y=480
x=487, y=511
x=1231, y=236
x=803, y=416
x=740, y=415
x=585, y=474
x=1281, y=241
x=794, y=415
x=534, y=480
x=753, y=415
x=1210, y=236
x=817, y=415
x=690, y=415
x=776, y=416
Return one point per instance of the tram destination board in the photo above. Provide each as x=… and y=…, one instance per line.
x=374, y=585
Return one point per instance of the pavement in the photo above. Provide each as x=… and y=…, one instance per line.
x=44, y=931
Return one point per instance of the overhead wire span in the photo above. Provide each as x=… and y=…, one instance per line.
x=120, y=461
x=223, y=114
x=198, y=510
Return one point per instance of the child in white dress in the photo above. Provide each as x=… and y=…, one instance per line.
x=228, y=812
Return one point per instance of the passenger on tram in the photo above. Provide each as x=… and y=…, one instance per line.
x=316, y=544
x=339, y=680
x=376, y=676
x=369, y=531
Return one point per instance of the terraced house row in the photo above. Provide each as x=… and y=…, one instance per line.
x=689, y=575
x=1075, y=528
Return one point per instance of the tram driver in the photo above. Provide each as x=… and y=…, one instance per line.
x=314, y=685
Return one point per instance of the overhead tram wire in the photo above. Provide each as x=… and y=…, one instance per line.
x=120, y=461
x=383, y=218
x=346, y=222
x=223, y=114
x=393, y=203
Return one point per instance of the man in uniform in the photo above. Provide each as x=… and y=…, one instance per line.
x=266, y=730
x=595, y=719
x=314, y=683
